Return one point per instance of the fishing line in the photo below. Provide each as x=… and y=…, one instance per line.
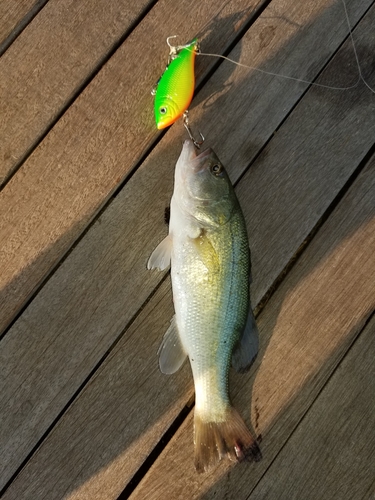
x=360, y=75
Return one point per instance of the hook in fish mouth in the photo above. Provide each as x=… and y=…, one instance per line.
x=193, y=156
x=204, y=153
x=196, y=143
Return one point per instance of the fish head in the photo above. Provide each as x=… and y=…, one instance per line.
x=203, y=187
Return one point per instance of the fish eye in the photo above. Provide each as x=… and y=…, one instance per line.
x=216, y=169
x=163, y=110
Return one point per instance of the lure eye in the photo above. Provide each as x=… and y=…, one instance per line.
x=216, y=169
x=163, y=110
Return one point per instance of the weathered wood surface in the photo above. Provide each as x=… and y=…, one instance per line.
x=305, y=329
x=331, y=455
x=117, y=420
x=94, y=146
x=38, y=195
x=45, y=67
x=14, y=16
x=100, y=276
x=59, y=345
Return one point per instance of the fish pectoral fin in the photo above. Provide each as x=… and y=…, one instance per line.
x=161, y=256
x=171, y=352
x=246, y=349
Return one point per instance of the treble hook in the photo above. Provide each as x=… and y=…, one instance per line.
x=186, y=125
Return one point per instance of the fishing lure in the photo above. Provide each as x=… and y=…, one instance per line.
x=175, y=88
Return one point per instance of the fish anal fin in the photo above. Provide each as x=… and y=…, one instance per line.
x=215, y=440
x=246, y=349
x=161, y=256
x=171, y=352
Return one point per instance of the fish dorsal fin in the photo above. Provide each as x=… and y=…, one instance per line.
x=171, y=352
x=245, y=351
x=161, y=256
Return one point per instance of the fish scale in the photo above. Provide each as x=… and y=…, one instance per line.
x=218, y=320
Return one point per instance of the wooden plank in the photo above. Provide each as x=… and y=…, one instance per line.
x=331, y=455
x=61, y=174
x=80, y=312
x=305, y=330
x=118, y=438
x=48, y=63
x=68, y=178
x=102, y=250
x=113, y=427
x=52, y=320
x=13, y=15
x=308, y=161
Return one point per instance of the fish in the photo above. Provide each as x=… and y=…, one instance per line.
x=175, y=88
x=213, y=326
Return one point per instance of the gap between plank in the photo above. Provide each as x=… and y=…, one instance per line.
x=82, y=387
x=168, y=435
x=186, y=410
x=80, y=89
x=142, y=157
x=305, y=415
x=308, y=87
x=154, y=454
x=258, y=12
x=17, y=30
x=332, y=206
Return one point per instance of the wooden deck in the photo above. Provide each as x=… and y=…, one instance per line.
x=85, y=177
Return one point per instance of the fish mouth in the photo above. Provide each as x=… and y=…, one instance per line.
x=206, y=152
x=193, y=161
x=190, y=153
x=199, y=160
x=193, y=173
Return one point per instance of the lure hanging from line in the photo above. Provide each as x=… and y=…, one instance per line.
x=175, y=88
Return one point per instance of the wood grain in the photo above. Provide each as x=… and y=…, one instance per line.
x=332, y=452
x=118, y=438
x=46, y=66
x=118, y=420
x=307, y=159
x=55, y=333
x=94, y=146
x=305, y=330
x=13, y=15
x=75, y=319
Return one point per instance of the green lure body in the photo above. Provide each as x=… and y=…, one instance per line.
x=175, y=88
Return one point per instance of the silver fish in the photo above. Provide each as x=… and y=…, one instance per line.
x=214, y=326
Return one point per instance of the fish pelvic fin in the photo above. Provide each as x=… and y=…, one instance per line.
x=215, y=440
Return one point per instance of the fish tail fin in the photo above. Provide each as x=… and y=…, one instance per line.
x=231, y=438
